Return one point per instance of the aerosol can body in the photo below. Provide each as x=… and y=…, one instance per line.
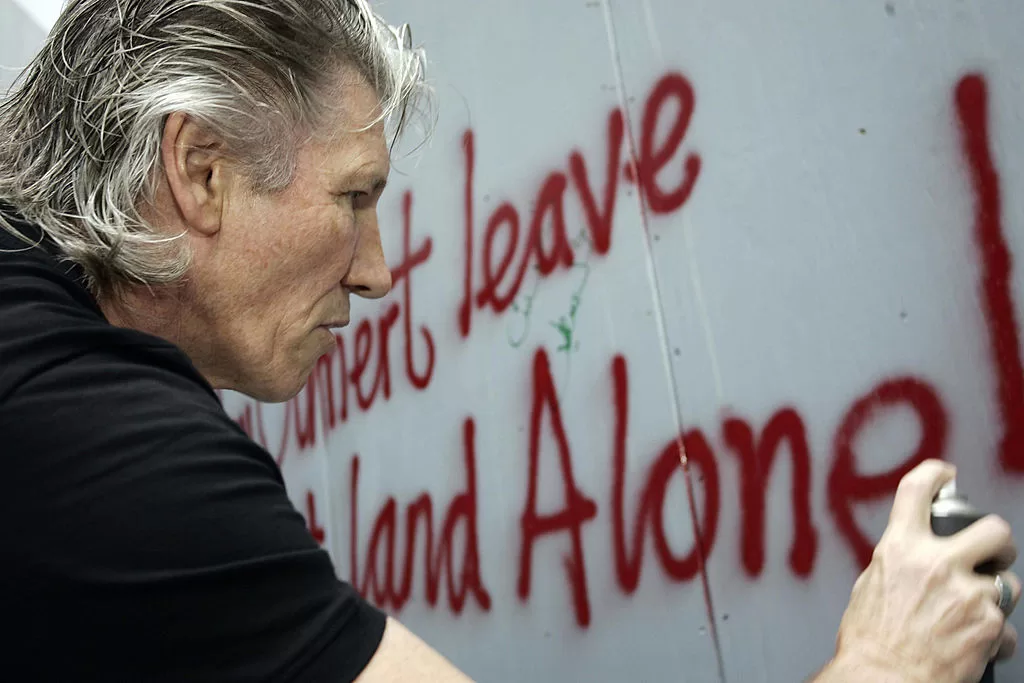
x=951, y=512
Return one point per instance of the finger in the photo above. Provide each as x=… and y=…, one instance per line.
x=1007, y=642
x=989, y=540
x=911, y=507
x=985, y=588
x=991, y=625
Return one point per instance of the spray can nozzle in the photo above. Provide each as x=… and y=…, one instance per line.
x=949, y=491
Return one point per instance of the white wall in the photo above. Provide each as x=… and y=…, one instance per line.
x=20, y=37
x=824, y=271
x=43, y=12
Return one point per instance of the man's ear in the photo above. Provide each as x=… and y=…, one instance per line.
x=197, y=172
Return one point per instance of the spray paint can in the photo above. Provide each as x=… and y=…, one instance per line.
x=951, y=512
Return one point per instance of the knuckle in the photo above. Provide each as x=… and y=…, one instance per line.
x=981, y=594
x=992, y=623
x=976, y=599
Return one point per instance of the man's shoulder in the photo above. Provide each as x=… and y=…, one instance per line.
x=52, y=328
x=69, y=380
x=76, y=390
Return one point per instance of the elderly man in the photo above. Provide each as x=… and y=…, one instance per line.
x=189, y=193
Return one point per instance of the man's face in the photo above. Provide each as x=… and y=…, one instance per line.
x=267, y=291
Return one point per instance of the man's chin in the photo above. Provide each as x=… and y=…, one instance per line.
x=277, y=389
x=264, y=395
x=282, y=385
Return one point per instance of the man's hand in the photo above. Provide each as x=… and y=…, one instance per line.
x=919, y=612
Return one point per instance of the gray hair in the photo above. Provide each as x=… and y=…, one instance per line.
x=80, y=131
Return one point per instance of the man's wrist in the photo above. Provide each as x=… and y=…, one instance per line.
x=865, y=663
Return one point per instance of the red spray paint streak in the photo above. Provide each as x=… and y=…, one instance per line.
x=756, y=458
x=652, y=160
x=599, y=220
x=971, y=100
x=503, y=271
x=381, y=571
x=466, y=307
x=578, y=510
x=846, y=485
x=403, y=274
x=650, y=508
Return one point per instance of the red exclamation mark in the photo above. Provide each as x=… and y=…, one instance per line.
x=996, y=268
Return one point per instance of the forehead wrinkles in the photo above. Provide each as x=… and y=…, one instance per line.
x=348, y=154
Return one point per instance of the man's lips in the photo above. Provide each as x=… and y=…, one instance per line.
x=335, y=324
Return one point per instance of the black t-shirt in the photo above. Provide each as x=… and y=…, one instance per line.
x=144, y=536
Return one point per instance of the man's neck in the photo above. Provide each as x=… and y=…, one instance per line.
x=159, y=311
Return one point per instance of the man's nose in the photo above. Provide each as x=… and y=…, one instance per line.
x=369, y=276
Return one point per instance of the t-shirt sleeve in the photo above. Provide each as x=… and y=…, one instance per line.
x=153, y=541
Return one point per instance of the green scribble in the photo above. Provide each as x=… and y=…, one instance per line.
x=526, y=312
x=566, y=325
x=566, y=331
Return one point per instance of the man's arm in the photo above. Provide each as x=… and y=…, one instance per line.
x=403, y=657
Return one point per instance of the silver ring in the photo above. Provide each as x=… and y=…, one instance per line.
x=1005, y=595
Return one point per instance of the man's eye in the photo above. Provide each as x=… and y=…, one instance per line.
x=352, y=201
x=358, y=199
